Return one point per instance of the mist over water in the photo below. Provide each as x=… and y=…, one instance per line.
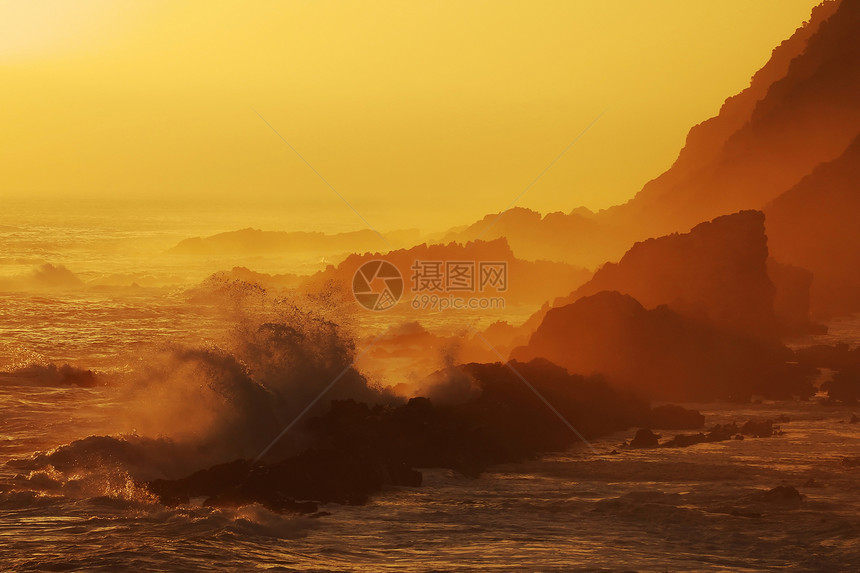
x=658, y=509
x=123, y=242
x=96, y=278
x=183, y=381
x=259, y=379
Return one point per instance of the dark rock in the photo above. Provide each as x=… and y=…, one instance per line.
x=318, y=475
x=355, y=450
x=53, y=375
x=716, y=273
x=758, y=429
x=813, y=225
x=791, y=303
x=844, y=387
x=780, y=494
x=717, y=433
x=685, y=440
x=645, y=439
x=663, y=354
x=721, y=433
x=836, y=357
x=672, y=417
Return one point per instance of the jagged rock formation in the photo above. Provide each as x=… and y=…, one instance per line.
x=814, y=225
x=355, y=450
x=662, y=353
x=716, y=273
x=528, y=281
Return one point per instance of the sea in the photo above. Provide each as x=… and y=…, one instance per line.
x=70, y=493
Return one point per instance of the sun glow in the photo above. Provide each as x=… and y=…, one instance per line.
x=426, y=114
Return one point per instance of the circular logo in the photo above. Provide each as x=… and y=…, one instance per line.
x=377, y=285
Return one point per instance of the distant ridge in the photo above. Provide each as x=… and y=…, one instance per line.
x=800, y=112
x=816, y=225
x=254, y=241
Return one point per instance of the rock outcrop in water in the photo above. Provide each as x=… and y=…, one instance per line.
x=844, y=386
x=798, y=117
x=576, y=237
x=835, y=357
x=645, y=438
x=792, y=302
x=531, y=282
x=672, y=417
x=780, y=494
x=814, y=225
x=356, y=449
x=51, y=375
x=716, y=273
x=664, y=354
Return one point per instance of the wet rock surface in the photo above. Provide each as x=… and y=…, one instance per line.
x=355, y=449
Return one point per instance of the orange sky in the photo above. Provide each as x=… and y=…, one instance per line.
x=421, y=114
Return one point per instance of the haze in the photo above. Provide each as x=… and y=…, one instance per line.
x=426, y=114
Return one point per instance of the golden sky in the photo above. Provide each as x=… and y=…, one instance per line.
x=421, y=114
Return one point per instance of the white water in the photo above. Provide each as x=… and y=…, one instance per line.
x=652, y=510
x=647, y=510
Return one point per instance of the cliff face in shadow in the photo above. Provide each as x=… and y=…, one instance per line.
x=791, y=305
x=528, y=281
x=799, y=112
x=804, y=118
x=355, y=449
x=718, y=274
x=705, y=141
x=715, y=273
x=661, y=353
x=577, y=237
x=815, y=225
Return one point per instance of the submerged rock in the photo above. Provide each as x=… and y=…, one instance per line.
x=763, y=429
x=780, y=494
x=355, y=450
x=715, y=273
x=663, y=354
x=295, y=485
x=672, y=417
x=52, y=375
x=645, y=439
x=723, y=432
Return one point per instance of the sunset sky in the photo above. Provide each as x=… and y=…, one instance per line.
x=421, y=114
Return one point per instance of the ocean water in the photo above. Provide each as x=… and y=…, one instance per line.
x=121, y=242
x=690, y=509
